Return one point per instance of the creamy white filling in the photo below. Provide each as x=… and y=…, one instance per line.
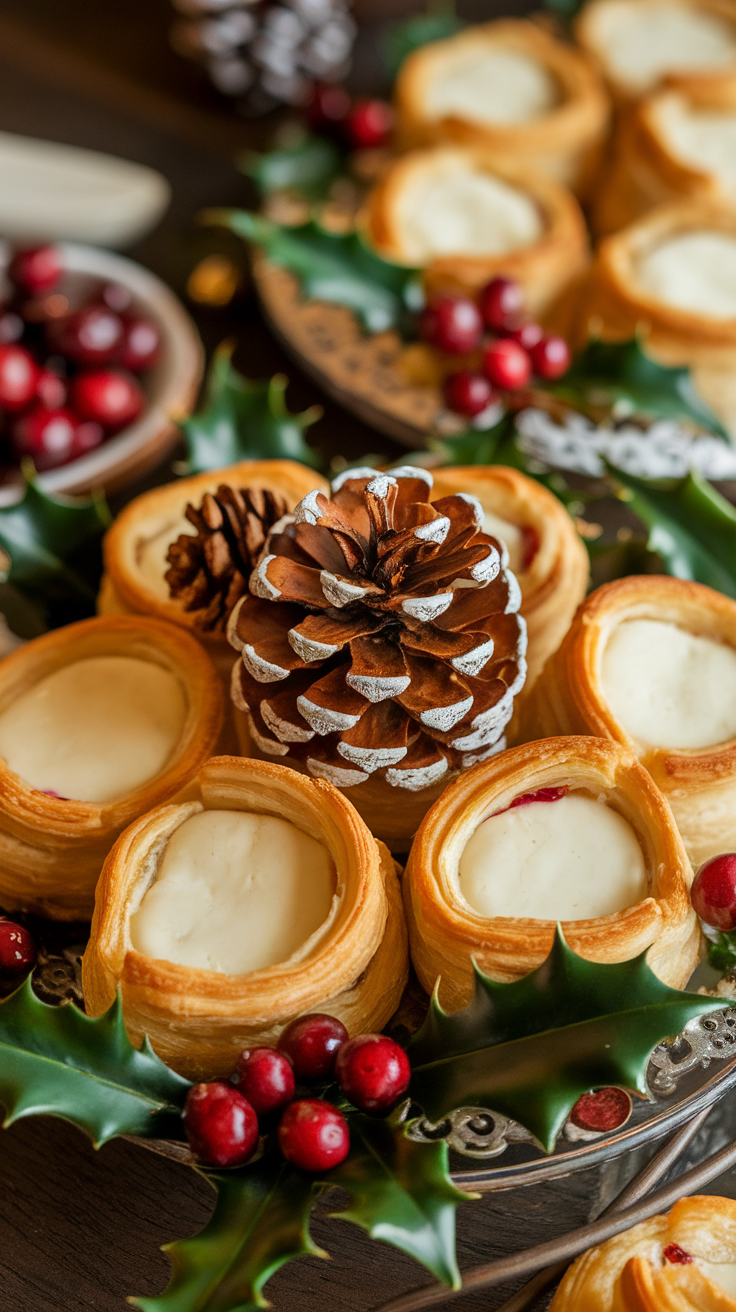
x=495, y=86
x=572, y=859
x=722, y=1274
x=668, y=687
x=94, y=730
x=151, y=554
x=510, y=534
x=234, y=892
x=704, y=139
x=695, y=271
x=640, y=43
x=456, y=210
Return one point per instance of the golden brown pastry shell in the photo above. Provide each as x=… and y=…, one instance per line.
x=556, y=578
x=565, y=143
x=200, y=1020
x=445, y=935
x=52, y=849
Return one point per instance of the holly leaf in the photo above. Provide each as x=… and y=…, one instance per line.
x=335, y=267
x=260, y=1221
x=499, y=445
x=401, y=1192
x=55, y=1061
x=309, y=166
x=722, y=953
x=411, y=33
x=530, y=1049
x=565, y=9
x=242, y=420
x=40, y=534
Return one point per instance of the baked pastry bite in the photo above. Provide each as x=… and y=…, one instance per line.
x=453, y=212
x=510, y=88
x=226, y=916
x=568, y=829
x=545, y=550
x=682, y=1262
x=650, y=662
x=99, y=721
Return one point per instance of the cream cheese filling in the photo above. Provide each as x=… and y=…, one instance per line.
x=722, y=1274
x=493, y=86
x=641, y=43
x=151, y=552
x=510, y=535
x=456, y=210
x=235, y=892
x=694, y=271
x=572, y=859
x=96, y=729
x=703, y=139
x=668, y=687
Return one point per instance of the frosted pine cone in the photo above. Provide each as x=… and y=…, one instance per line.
x=381, y=635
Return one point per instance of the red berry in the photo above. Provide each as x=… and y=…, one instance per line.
x=330, y=104
x=17, y=949
x=265, y=1077
x=527, y=335
x=116, y=297
x=312, y=1043
x=140, y=346
x=314, y=1135
x=502, y=304
x=551, y=357
x=606, y=1109
x=220, y=1123
x=88, y=437
x=468, y=393
x=35, y=269
x=372, y=1072
x=108, y=397
x=541, y=795
x=452, y=324
x=369, y=123
x=507, y=364
x=47, y=436
x=18, y=377
x=11, y=326
x=50, y=389
x=676, y=1255
x=92, y=335
x=714, y=891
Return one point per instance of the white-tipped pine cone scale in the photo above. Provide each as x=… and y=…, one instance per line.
x=381, y=643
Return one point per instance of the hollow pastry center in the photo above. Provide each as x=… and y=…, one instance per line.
x=151, y=552
x=693, y=271
x=641, y=43
x=511, y=535
x=572, y=859
x=668, y=687
x=464, y=212
x=704, y=139
x=234, y=892
x=95, y=730
x=496, y=86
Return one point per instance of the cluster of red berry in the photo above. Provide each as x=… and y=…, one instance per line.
x=713, y=892
x=17, y=950
x=223, y=1120
x=360, y=124
x=514, y=349
x=66, y=373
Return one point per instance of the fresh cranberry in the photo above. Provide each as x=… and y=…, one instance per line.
x=527, y=335
x=116, y=297
x=17, y=949
x=220, y=1124
x=502, y=304
x=551, y=357
x=676, y=1255
x=452, y=324
x=372, y=1072
x=507, y=364
x=329, y=105
x=47, y=436
x=265, y=1077
x=91, y=336
x=714, y=891
x=35, y=269
x=314, y=1135
x=468, y=393
x=140, y=346
x=50, y=389
x=606, y=1109
x=18, y=377
x=87, y=437
x=108, y=397
x=312, y=1043
x=369, y=124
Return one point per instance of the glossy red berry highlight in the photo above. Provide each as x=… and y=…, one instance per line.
x=507, y=364
x=17, y=949
x=468, y=393
x=452, y=324
x=551, y=357
x=606, y=1109
x=35, y=269
x=50, y=389
x=46, y=436
x=141, y=345
x=502, y=304
x=265, y=1077
x=369, y=124
x=18, y=377
x=108, y=397
x=220, y=1124
x=312, y=1043
x=91, y=336
x=714, y=891
x=527, y=335
x=314, y=1135
x=373, y=1072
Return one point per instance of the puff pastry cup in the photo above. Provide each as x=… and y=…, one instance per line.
x=199, y=1020
x=548, y=108
x=699, y=784
x=51, y=848
x=682, y=1262
x=547, y=553
x=446, y=935
x=539, y=234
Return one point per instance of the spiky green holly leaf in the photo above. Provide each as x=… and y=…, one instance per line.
x=530, y=1049
x=722, y=953
x=55, y=1061
x=244, y=420
x=401, y=1192
x=308, y=166
x=260, y=1221
x=409, y=34
x=336, y=267
x=499, y=445
x=41, y=534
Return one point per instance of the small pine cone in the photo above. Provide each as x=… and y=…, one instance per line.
x=209, y=572
x=381, y=634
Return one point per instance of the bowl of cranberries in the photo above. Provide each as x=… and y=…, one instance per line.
x=97, y=360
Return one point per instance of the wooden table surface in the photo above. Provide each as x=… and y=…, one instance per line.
x=81, y=1230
